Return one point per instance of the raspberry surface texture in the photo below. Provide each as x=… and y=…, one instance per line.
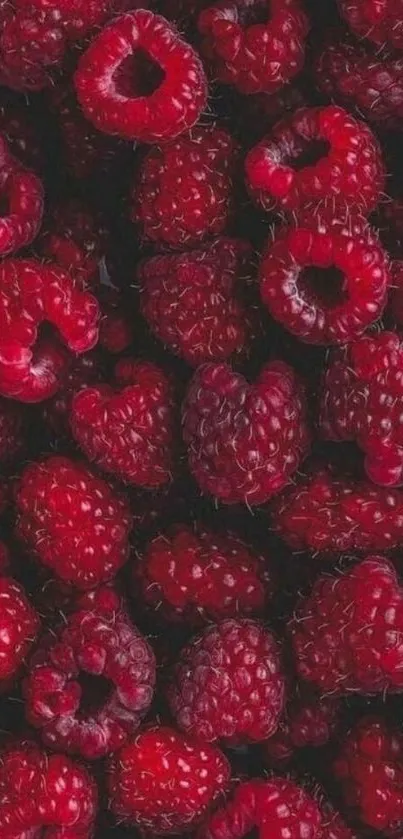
x=380, y=21
x=22, y=193
x=19, y=626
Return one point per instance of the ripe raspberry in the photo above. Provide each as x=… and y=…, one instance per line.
x=22, y=194
x=96, y=719
x=184, y=190
x=228, y=684
x=369, y=769
x=76, y=240
x=165, y=782
x=316, y=155
x=34, y=295
x=84, y=371
x=197, y=302
x=244, y=440
x=73, y=521
x=12, y=421
x=32, y=48
x=327, y=513
x=379, y=20
x=140, y=80
x=309, y=722
x=322, y=282
x=129, y=431
x=196, y=575
x=79, y=17
x=44, y=797
x=19, y=625
x=257, y=45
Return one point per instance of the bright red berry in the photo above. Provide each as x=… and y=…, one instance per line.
x=380, y=21
x=22, y=194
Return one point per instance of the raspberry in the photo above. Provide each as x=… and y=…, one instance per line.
x=165, y=782
x=76, y=240
x=140, y=80
x=12, y=427
x=73, y=521
x=309, y=722
x=78, y=17
x=184, y=190
x=116, y=328
x=257, y=45
x=33, y=295
x=322, y=282
x=84, y=371
x=129, y=431
x=325, y=512
x=195, y=575
x=369, y=768
x=244, y=440
x=93, y=720
x=379, y=20
x=228, y=684
x=44, y=797
x=32, y=48
x=23, y=193
x=19, y=624
x=196, y=302
x=316, y=155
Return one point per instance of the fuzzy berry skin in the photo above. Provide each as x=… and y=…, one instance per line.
x=244, y=440
x=32, y=48
x=79, y=17
x=19, y=626
x=346, y=634
x=369, y=770
x=196, y=303
x=257, y=45
x=91, y=642
x=192, y=575
x=139, y=80
x=355, y=75
x=76, y=240
x=228, y=684
x=184, y=190
x=324, y=283
x=12, y=428
x=327, y=513
x=44, y=797
x=129, y=431
x=164, y=782
x=31, y=294
x=84, y=371
x=309, y=721
x=22, y=192
x=73, y=521
x=316, y=155
x=381, y=21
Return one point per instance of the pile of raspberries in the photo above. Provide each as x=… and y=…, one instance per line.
x=201, y=419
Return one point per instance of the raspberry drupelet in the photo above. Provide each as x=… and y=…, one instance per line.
x=73, y=521
x=19, y=626
x=139, y=80
x=165, y=782
x=257, y=45
x=184, y=190
x=200, y=303
x=245, y=441
x=381, y=21
x=317, y=155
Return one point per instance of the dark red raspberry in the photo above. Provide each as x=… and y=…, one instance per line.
x=256, y=45
x=19, y=625
x=73, y=521
x=21, y=193
x=34, y=295
x=80, y=17
x=379, y=20
x=184, y=190
x=197, y=302
x=369, y=769
x=44, y=796
x=84, y=371
x=361, y=400
x=165, y=782
x=32, y=48
x=140, y=80
x=76, y=240
x=99, y=643
x=12, y=428
x=316, y=155
x=245, y=441
x=325, y=512
x=346, y=633
x=117, y=325
x=228, y=684
x=354, y=74
x=129, y=430
x=309, y=721
x=323, y=282
x=195, y=575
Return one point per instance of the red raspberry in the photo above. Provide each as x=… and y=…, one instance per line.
x=22, y=193
x=184, y=190
x=140, y=80
x=369, y=769
x=228, y=684
x=379, y=20
x=91, y=720
x=256, y=45
x=19, y=624
x=323, y=282
x=31, y=295
x=244, y=440
x=32, y=48
x=317, y=154
x=196, y=302
x=346, y=633
x=12, y=422
x=73, y=521
x=165, y=782
x=84, y=371
x=76, y=240
x=79, y=17
x=309, y=722
x=44, y=797
x=195, y=575
x=129, y=431
x=327, y=513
